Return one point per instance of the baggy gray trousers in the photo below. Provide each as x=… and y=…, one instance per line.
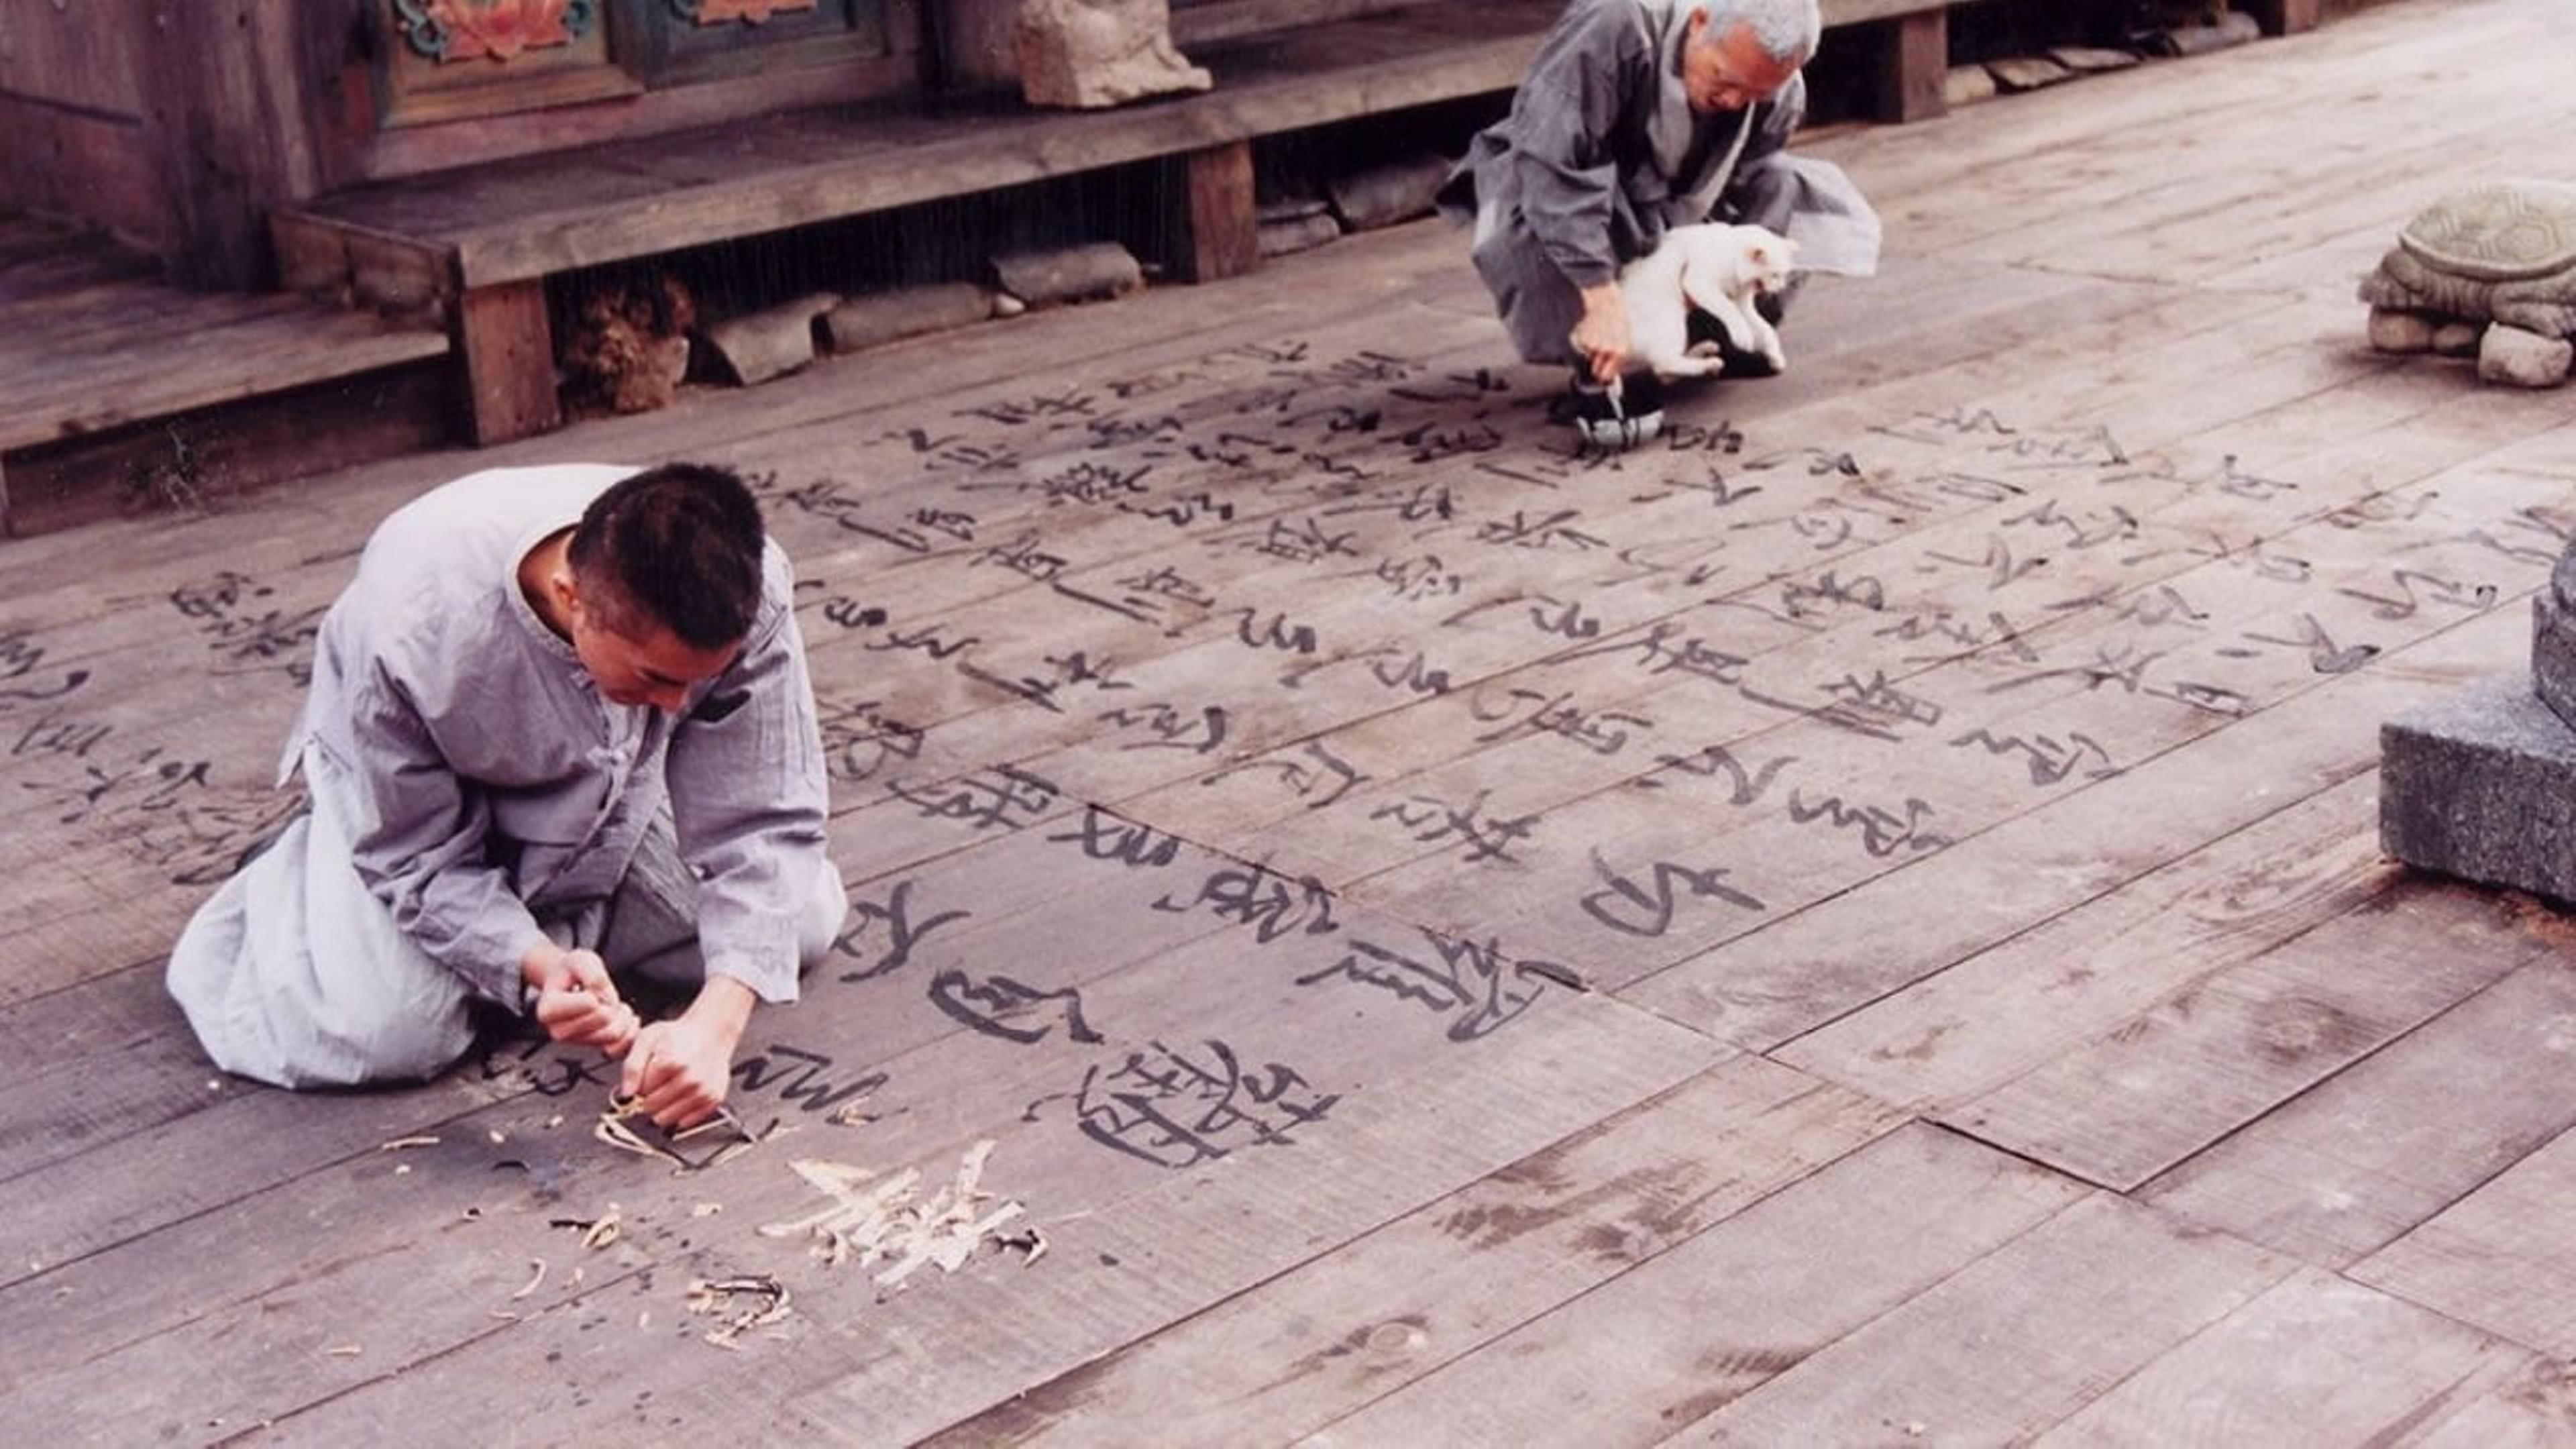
x=295, y=974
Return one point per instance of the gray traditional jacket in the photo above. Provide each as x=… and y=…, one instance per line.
x=492, y=783
x=1602, y=154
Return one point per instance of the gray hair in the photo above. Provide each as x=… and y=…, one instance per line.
x=1785, y=29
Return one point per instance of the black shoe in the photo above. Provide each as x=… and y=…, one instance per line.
x=1614, y=421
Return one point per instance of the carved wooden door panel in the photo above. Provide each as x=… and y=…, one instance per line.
x=446, y=60
x=681, y=41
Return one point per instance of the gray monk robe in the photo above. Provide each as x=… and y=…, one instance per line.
x=1602, y=154
x=472, y=789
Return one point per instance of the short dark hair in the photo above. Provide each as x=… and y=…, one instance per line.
x=679, y=546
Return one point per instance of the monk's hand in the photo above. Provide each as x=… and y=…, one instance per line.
x=576, y=1002
x=679, y=1070
x=1601, y=338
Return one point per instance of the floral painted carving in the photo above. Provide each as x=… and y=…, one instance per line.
x=725, y=12
x=451, y=30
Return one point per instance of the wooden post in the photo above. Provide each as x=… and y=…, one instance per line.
x=1913, y=61
x=508, y=347
x=1216, y=228
x=2285, y=17
x=226, y=112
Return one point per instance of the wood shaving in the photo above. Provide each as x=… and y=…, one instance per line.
x=497, y=1136
x=890, y=1223
x=346, y=1350
x=613, y=1128
x=765, y=1302
x=401, y=1143
x=1029, y=1241
x=503, y=1314
x=403, y=1171
x=539, y=1264
x=848, y=1114
x=598, y=1232
x=706, y=1209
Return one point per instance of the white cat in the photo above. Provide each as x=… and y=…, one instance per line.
x=1718, y=268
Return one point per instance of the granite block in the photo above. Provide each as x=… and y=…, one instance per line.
x=2481, y=784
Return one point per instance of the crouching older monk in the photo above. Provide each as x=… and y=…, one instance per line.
x=559, y=733
x=1636, y=117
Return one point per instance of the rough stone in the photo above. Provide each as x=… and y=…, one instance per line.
x=2481, y=784
x=2028, y=72
x=2092, y=59
x=2457, y=339
x=1069, y=274
x=2524, y=359
x=1297, y=234
x=2395, y=331
x=1385, y=195
x=2553, y=640
x=2236, y=27
x=877, y=318
x=1965, y=85
x=769, y=343
x=1089, y=54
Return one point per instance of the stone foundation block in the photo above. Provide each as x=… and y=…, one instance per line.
x=2481, y=784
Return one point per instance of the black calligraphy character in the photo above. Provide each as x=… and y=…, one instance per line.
x=1718, y=759
x=983, y=803
x=1882, y=831
x=1278, y=634
x=901, y=933
x=1104, y=835
x=2323, y=656
x=799, y=1078
x=2049, y=760
x=1173, y=1112
x=19, y=656
x=997, y=1004
x=1257, y=896
x=1301, y=781
x=1647, y=910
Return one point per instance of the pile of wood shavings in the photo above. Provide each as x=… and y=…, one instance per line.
x=887, y=1224
x=765, y=1302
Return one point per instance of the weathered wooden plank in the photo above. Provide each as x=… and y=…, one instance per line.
x=2012, y=1344
x=1649, y=1186
x=2388, y=1142
x=2280, y=1370
x=1176, y=1240
x=1741, y=1302
x=287, y=348
x=2494, y=1259
x=2531, y=1411
x=2231, y=1046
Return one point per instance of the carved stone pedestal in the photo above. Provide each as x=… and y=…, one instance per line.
x=2481, y=783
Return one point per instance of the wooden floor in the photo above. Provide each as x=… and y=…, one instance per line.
x=1861, y=924
x=102, y=358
